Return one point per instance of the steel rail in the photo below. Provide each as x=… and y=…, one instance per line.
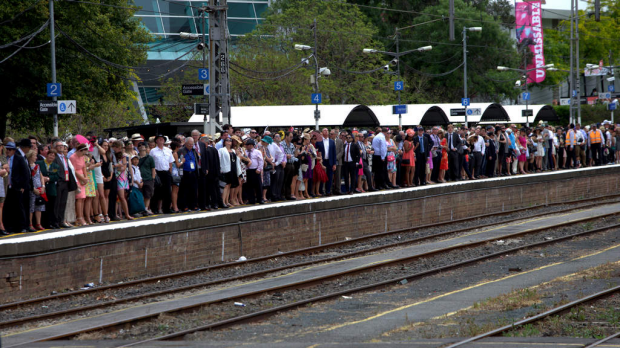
x=608, y=338
x=316, y=249
x=253, y=274
x=541, y=316
x=275, y=310
x=308, y=282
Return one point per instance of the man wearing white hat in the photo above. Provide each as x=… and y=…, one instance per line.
x=136, y=139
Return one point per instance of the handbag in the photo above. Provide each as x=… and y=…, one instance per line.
x=391, y=158
x=405, y=161
x=38, y=201
x=136, y=201
x=304, y=168
x=157, y=181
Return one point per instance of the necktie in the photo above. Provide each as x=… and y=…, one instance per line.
x=10, y=168
x=421, y=144
x=450, y=141
x=348, y=153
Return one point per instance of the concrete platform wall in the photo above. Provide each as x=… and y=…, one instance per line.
x=35, y=269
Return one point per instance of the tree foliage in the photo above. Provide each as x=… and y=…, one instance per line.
x=108, y=32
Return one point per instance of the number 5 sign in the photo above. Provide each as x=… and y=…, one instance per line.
x=316, y=98
x=399, y=86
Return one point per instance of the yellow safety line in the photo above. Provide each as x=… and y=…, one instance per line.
x=464, y=289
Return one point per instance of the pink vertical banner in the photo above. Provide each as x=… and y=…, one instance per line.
x=529, y=27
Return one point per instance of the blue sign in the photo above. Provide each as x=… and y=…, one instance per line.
x=612, y=106
x=574, y=93
x=399, y=109
x=399, y=85
x=203, y=74
x=611, y=88
x=316, y=98
x=465, y=101
x=526, y=95
x=54, y=89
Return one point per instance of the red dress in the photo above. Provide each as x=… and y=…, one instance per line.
x=409, y=155
x=319, y=174
x=444, y=155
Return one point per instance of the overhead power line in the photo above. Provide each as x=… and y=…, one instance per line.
x=21, y=13
x=32, y=36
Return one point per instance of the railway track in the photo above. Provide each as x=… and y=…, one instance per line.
x=317, y=280
x=538, y=317
x=326, y=249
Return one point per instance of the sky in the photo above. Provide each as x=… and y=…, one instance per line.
x=562, y=4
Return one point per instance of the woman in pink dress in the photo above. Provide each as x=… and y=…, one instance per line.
x=522, y=147
x=79, y=164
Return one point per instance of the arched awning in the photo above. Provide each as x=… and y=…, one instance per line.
x=434, y=116
x=547, y=114
x=361, y=116
x=495, y=113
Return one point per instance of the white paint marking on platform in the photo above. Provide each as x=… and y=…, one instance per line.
x=146, y=256
x=319, y=232
x=101, y=271
x=175, y=218
x=20, y=277
x=223, y=246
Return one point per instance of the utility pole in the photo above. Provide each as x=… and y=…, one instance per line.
x=527, y=101
x=577, y=60
x=465, y=72
x=203, y=11
x=317, y=113
x=400, y=116
x=572, y=63
x=53, y=51
x=218, y=63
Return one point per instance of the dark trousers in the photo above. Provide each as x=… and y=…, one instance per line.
x=50, y=211
x=289, y=174
x=201, y=181
x=490, y=169
x=16, y=210
x=189, y=190
x=112, y=198
x=62, y=191
x=164, y=192
x=596, y=153
x=337, y=180
x=277, y=180
x=476, y=164
x=436, y=165
x=502, y=165
x=368, y=175
x=253, y=186
x=419, y=176
x=213, y=194
x=326, y=188
x=349, y=171
x=377, y=168
x=454, y=165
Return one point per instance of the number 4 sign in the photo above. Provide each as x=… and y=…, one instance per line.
x=316, y=98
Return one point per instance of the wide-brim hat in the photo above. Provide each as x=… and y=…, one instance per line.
x=24, y=143
x=237, y=139
x=267, y=139
x=81, y=147
x=10, y=145
x=136, y=136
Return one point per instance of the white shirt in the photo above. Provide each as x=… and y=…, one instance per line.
x=162, y=157
x=347, y=152
x=326, y=146
x=137, y=177
x=479, y=145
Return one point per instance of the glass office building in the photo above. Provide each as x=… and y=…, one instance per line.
x=167, y=19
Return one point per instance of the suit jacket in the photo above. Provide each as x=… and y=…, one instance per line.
x=355, y=153
x=213, y=162
x=418, y=150
x=339, y=150
x=490, y=150
x=456, y=142
x=20, y=173
x=204, y=163
x=53, y=173
x=61, y=176
x=332, y=160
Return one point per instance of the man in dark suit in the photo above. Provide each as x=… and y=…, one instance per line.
x=17, y=204
x=201, y=178
x=491, y=156
x=327, y=148
x=212, y=174
x=455, y=151
x=421, y=156
x=66, y=183
x=351, y=160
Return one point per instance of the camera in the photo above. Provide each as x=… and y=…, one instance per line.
x=518, y=83
x=386, y=67
x=394, y=61
x=325, y=72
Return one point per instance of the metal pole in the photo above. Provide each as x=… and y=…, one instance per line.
x=400, y=116
x=577, y=59
x=527, y=102
x=205, y=127
x=572, y=72
x=53, y=49
x=465, y=71
x=317, y=113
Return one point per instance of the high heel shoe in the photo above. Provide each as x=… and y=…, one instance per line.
x=106, y=219
x=38, y=227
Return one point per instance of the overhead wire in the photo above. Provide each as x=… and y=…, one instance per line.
x=267, y=72
x=264, y=78
x=429, y=74
x=24, y=38
x=27, y=42
x=21, y=13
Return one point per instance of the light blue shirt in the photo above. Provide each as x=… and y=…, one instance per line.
x=512, y=141
x=379, y=145
x=421, y=138
x=219, y=144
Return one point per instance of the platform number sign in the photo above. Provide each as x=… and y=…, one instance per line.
x=465, y=101
x=611, y=88
x=526, y=95
x=399, y=86
x=203, y=74
x=54, y=90
x=316, y=98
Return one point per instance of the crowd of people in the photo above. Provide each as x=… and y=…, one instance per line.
x=89, y=179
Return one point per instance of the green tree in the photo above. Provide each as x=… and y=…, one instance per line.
x=110, y=33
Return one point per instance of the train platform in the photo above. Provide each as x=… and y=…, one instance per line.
x=34, y=264
x=376, y=324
